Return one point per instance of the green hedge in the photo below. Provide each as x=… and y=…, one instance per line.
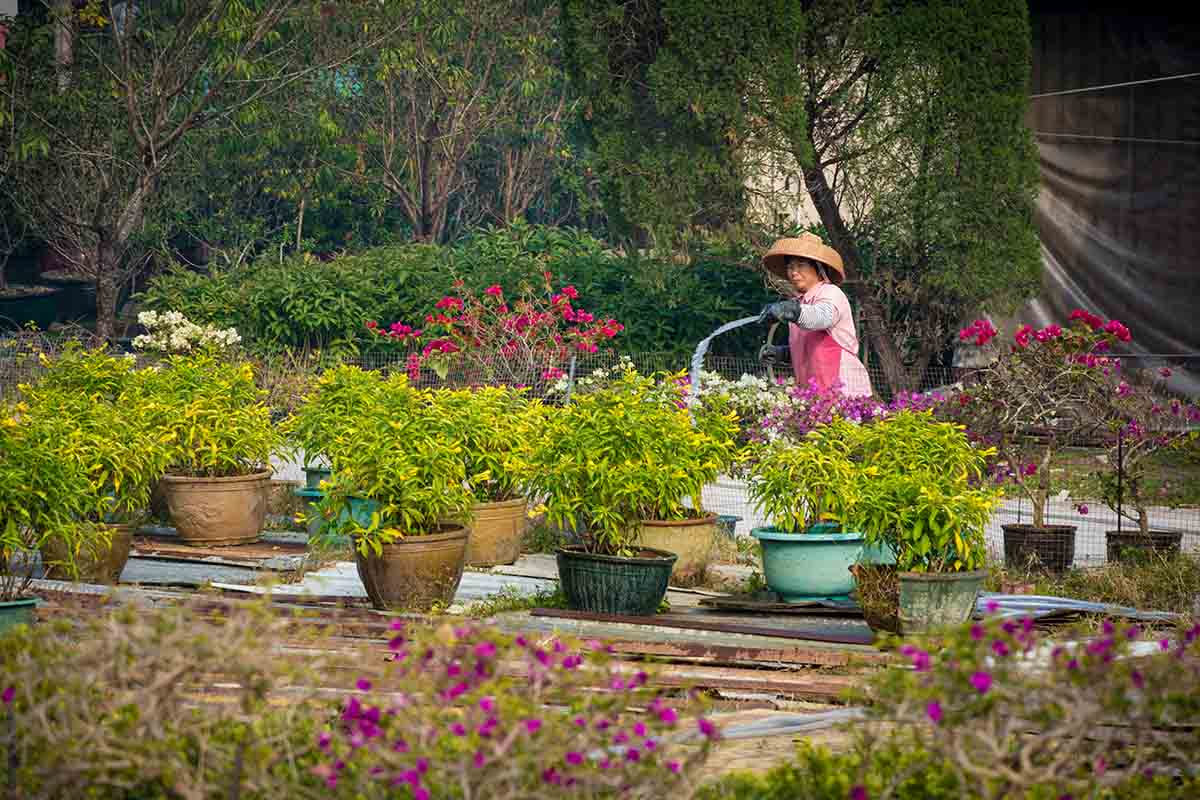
x=303, y=302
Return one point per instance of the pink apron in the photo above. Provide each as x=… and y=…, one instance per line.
x=830, y=356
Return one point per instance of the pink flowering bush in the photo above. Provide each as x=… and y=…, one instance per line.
x=1016, y=714
x=1039, y=396
x=463, y=712
x=808, y=407
x=491, y=338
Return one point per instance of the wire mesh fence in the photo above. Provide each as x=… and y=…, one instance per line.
x=1170, y=494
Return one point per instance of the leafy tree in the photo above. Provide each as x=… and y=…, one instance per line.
x=468, y=74
x=98, y=135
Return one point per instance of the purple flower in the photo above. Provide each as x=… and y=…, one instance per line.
x=982, y=681
x=674, y=766
x=458, y=729
x=580, y=722
x=649, y=744
x=485, y=650
x=422, y=765
x=991, y=606
x=668, y=716
x=632, y=754
x=487, y=704
x=639, y=729
x=1164, y=644
x=977, y=632
x=574, y=758
x=420, y=793
x=1138, y=680
x=533, y=725
x=479, y=760
x=1000, y=648
x=9, y=694
x=1082, y=509
x=324, y=740
x=859, y=792
x=621, y=737
x=933, y=710
x=707, y=728
x=397, y=625
x=551, y=776
x=363, y=685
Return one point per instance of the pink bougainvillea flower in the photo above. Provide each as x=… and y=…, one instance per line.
x=1082, y=509
x=668, y=716
x=1138, y=679
x=674, y=766
x=533, y=725
x=933, y=709
x=363, y=685
x=859, y=792
x=1022, y=336
x=982, y=681
x=574, y=758
x=1000, y=648
x=707, y=728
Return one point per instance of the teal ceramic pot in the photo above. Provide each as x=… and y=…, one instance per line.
x=809, y=566
x=881, y=553
x=314, y=475
x=310, y=498
x=16, y=612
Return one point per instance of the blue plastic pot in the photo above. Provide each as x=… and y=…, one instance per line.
x=809, y=566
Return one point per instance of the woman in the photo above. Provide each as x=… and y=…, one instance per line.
x=822, y=342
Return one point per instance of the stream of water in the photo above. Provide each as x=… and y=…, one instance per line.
x=702, y=348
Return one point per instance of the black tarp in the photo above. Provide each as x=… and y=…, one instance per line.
x=1115, y=112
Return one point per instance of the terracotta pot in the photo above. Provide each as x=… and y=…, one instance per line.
x=1128, y=545
x=1051, y=548
x=416, y=572
x=217, y=512
x=496, y=532
x=95, y=562
x=692, y=540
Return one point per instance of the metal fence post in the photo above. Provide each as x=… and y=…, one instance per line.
x=1120, y=474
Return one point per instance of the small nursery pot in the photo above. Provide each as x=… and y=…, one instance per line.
x=314, y=475
x=692, y=540
x=417, y=572
x=1128, y=545
x=217, y=512
x=808, y=566
x=614, y=584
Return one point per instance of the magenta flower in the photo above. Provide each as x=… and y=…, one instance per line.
x=991, y=606
x=1138, y=680
x=668, y=716
x=574, y=758
x=674, y=766
x=458, y=729
x=934, y=711
x=982, y=681
x=977, y=632
x=363, y=685
x=8, y=695
x=533, y=725
x=859, y=792
x=485, y=650
x=707, y=728
x=1000, y=648
x=632, y=754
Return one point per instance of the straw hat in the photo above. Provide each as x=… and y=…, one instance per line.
x=806, y=245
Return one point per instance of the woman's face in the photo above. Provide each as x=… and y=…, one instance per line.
x=802, y=274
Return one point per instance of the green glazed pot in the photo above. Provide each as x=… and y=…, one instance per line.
x=314, y=475
x=614, y=585
x=934, y=601
x=16, y=612
x=809, y=566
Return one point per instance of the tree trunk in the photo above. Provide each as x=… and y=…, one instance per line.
x=64, y=42
x=106, y=273
x=873, y=316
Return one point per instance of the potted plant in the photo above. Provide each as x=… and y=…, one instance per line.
x=606, y=463
x=113, y=442
x=495, y=426
x=1028, y=403
x=222, y=439
x=928, y=503
x=339, y=397
x=808, y=491
x=400, y=477
x=41, y=496
x=1142, y=422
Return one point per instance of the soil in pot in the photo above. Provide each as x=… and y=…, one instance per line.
x=692, y=540
x=877, y=590
x=217, y=512
x=934, y=601
x=16, y=612
x=1132, y=545
x=603, y=584
x=96, y=562
x=1051, y=548
x=417, y=572
x=496, y=532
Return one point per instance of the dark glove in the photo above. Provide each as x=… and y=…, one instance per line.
x=772, y=354
x=783, y=311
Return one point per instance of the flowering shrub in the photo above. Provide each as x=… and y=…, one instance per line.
x=494, y=340
x=808, y=407
x=172, y=332
x=450, y=723
x=1141, y=421
x=1038, y=396
x=1011, y=712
